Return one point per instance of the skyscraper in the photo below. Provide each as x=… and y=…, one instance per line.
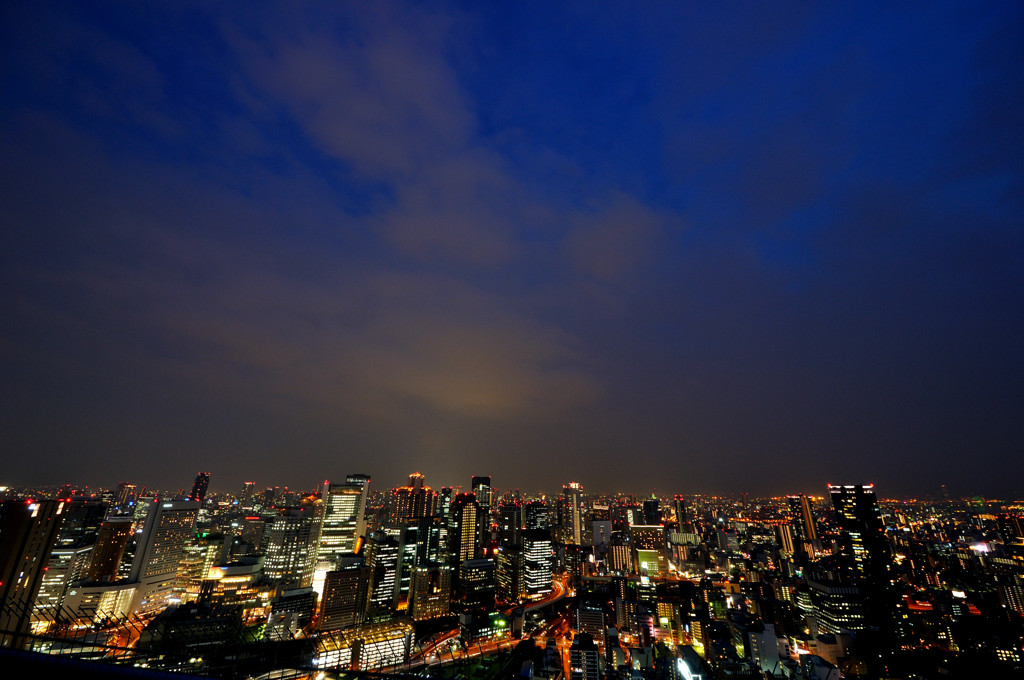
x=463, y=537
x=169, y=527
x=573, y=499
x=199, y=487
x=865, y=555
x=538, y=561
x=485, y=500
x=291, y=545
x=416, y=499
x=344, y=516
x=28, y=531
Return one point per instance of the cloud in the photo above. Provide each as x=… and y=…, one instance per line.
x=611, y=240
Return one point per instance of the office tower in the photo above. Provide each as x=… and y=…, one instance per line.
x=510, y=586
x=344, y=517
x=865, y=552
x=420, y=543
x=652, y=511
x=803, y=518
x=538, y=561
x=485, y=500
x=573, y=520
x=169, y=527
x=510, y=522
x=28, y=531
x=536, y=515
x=444, y=505
x=679, y=507
x=416, y=499
x=199, y=487
x=476, y=584
x=865, y=555
x=346, y=592
x=584, y=658
x=589, y=618
x=248, y=495
x=431, y=590
x=291, y=543
x=462, y=529
x=785, y=536
x=126, y=494
x=382, y=556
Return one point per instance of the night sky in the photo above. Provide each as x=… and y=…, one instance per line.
x=671, y=247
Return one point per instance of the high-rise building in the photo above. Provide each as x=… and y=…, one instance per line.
x=536, y=515
x=510, y=586
x=652, y=511
x=510, y=522
x=382, y=557
x=28, y=531
x=476, y=584
x=199, y=487
x=290, y=545
x=573, y=503
x=679, y=507
x=431, y=591
x=420, y=543
x=169, y=527
x=344, y=517
x=346, y=590
x=584, y=658
x=485, y=500
x=413, y=500
x=463, y=537
x=865, y=555
x=803, y=518
x=538, y=561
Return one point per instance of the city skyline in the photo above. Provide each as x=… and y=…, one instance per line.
x=725, y=249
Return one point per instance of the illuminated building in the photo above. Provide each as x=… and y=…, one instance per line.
x=113, y=536
x=476, y=584
x=168, y=529
x=536, y=515
x=28, y=531
x=784, y=533
x=865, y=556
x=538, y=562
x=573, y=521
x=803, y=517
x=584, y=658
x=510, y=522
x=865, y=550
x=679, y=508
x=463, y=536
x=382, y=557
x=412, y=501
x=431, y=591
x=65, y=566
x=420, y=543
x=344, y=517
x=589, y=618
x=481, y=487
x=290, y=548
x=199, y=487
x=366, y=647
x=510, y=586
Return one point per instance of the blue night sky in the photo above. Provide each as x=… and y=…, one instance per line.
x=681, y=247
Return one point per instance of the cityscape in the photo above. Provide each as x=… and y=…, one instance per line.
x=452, y=340
x=344, y=579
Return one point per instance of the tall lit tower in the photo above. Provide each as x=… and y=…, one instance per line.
x=803, y=518
x=463, y=543
x=170, y=525
x=199, y=487
x=416, y=499
x=573, y=492
x=344, y=516
x=865, y=552
x=485, y=499
x=28, y=530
